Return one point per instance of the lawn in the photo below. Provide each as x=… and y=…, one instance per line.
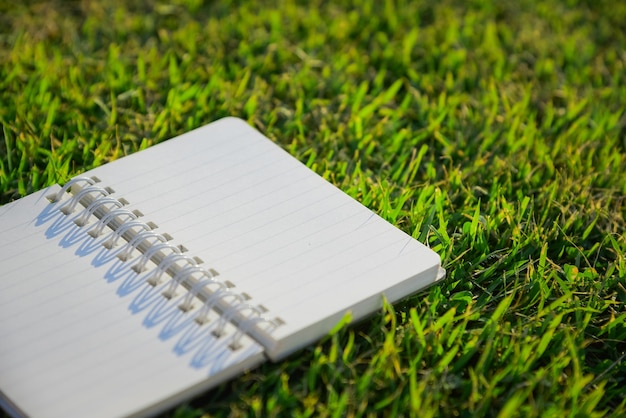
x=493, y=131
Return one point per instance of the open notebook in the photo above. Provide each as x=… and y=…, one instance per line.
x=155, y=277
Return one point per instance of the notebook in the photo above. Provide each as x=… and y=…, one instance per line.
x=153, y=278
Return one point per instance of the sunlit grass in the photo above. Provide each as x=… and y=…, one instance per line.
x=495, y=132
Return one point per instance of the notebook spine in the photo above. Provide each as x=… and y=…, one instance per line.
x=101, y=212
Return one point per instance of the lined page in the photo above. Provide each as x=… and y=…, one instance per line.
x=283, y=235
x=78, y=339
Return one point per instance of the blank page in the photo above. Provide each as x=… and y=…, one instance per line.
x=82, y=337
x=283, y=235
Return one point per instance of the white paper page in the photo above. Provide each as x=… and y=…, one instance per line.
x=296, y=244
x=78, y=340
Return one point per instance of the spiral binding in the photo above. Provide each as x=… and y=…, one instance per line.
x=200, y=283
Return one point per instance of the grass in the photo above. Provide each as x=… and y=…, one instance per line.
x=494, y=131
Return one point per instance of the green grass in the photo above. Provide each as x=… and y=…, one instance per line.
x=495, y=131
